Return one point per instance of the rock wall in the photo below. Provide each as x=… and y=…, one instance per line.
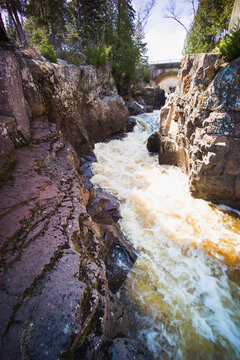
x=83, y=101
x=60, y=244
x=59, y=271
x=200, y=128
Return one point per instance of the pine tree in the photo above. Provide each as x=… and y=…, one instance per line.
x=209, y=26
x=49, y=17
x=88, y=19
x=15, y=9
x=3, y=34
x=125, y=52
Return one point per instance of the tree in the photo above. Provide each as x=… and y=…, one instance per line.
x=3, y=34
x=125, y=52
x=15, y=9
x=209, y=26
x=48, y=18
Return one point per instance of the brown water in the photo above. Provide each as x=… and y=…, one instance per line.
x=183, y=305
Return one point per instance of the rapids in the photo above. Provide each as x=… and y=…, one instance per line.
x=182, y=304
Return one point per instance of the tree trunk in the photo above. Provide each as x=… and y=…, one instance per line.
x=53, y=41
x=17, y=23
x=3, y=34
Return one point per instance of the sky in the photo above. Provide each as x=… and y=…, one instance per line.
x=165, y=37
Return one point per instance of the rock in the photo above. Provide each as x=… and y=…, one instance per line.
x=131, y=123
x=134, y=108
x=127, y=349
x=83, y=101
x=54, y=289
x=153, y=96
x=119, y=258
x=60, y=264
x=6, y=151
x=118, y=349
x=153, y=143
x=149, y=109
x=105, y=117
x=200, y=128
x=12, y=103
x=104, y=209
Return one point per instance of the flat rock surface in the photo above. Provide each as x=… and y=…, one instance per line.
x=57, y=274
x=40, y=291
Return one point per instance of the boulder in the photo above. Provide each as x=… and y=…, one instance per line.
x=153, y=96
x=200, y=127
x=131, y=123
x=153, y=143
x=134, y=108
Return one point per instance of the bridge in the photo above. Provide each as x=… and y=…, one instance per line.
x=161, y=71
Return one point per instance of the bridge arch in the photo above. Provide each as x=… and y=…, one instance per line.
x=172, y=74
x=164, y=74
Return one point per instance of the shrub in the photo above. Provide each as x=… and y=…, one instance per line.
x=47, y=51
x=97, y=57
x=70, y=57
x=229, y=46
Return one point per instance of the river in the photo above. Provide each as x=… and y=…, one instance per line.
x=181, y=302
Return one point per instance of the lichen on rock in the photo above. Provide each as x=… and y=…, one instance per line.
x=200, y=127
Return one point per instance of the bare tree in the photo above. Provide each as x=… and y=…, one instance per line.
x=176, y=15
x=143, y=12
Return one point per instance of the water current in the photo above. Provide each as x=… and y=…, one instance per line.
x=181, y=302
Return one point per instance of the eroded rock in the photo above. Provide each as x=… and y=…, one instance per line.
x=199, y=128
x=54, y=290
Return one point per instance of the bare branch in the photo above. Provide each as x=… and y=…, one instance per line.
x=147, y=10
x=172, y=14
x=144, y=11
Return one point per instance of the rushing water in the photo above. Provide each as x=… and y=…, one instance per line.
x=182, y=304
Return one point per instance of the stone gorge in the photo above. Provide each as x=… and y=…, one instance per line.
x=63, y=255
x=59, y=264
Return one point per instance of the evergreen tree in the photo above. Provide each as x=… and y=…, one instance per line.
x=125, y=52
x=3, y=34
x=49, y=18
x=16, y=9
x=210, y=24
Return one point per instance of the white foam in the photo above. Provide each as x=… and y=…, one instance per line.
x=179, y=279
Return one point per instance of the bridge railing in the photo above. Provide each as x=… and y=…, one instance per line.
x=165, y=61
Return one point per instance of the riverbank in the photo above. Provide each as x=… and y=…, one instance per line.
x=63, y=256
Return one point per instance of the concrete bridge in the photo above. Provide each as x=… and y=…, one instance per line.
x=163, y=71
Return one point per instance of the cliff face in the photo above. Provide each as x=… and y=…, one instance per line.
x=199, y=128
x=82, y=101
x=60, y=243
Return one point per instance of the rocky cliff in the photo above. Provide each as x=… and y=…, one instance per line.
x=200, y=128
x=82, y=101
x=60, y=244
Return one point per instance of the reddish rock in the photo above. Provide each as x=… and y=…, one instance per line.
x=54, y=283
x=12, y=102
x=200, y=127
x=83, y=101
